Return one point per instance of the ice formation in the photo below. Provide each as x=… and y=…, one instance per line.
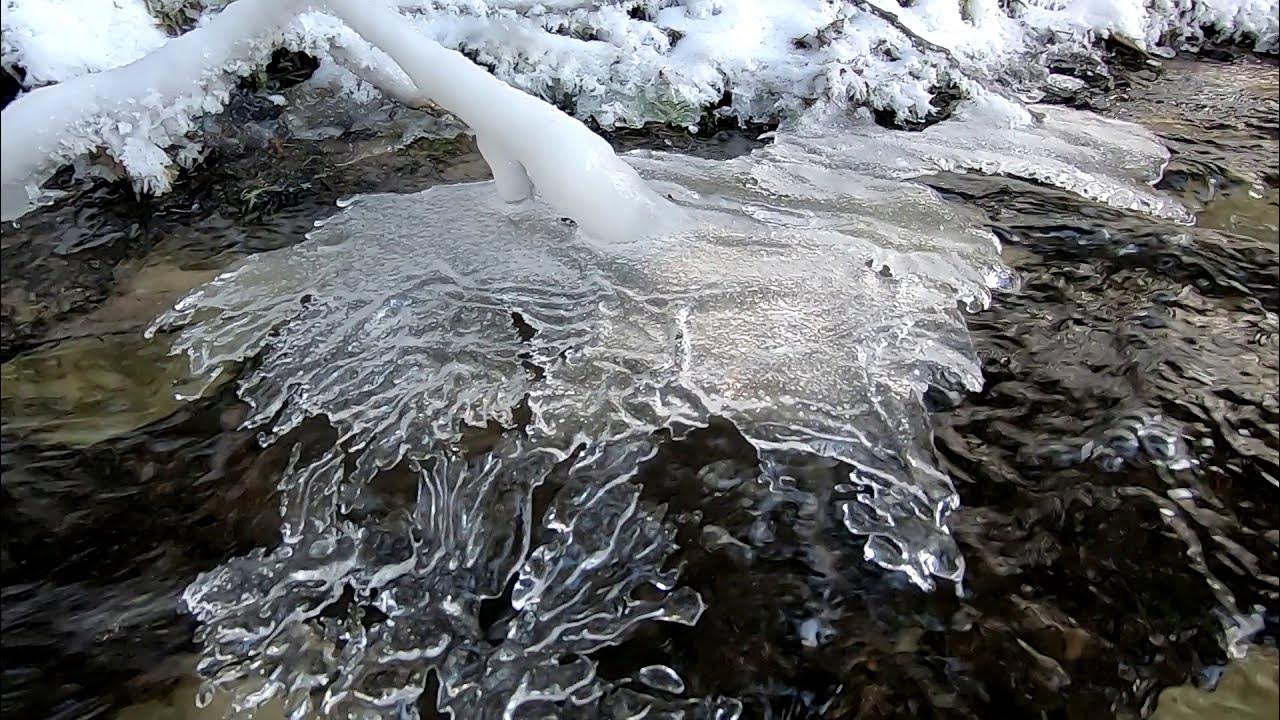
x=572, y=169
x=623, y=62
x=809, y=295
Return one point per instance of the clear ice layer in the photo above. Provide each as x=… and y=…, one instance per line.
x=1098, y=158
x=810, y=296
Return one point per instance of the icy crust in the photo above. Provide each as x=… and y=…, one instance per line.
x=346, y=617
x=810, y=321
x=808, y=297
x=1097, y=158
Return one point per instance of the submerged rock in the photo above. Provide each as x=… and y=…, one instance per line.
x=78, y=392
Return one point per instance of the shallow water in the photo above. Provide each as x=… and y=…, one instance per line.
x=1116, y=474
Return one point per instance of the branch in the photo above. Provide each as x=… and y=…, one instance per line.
x=893, y=19
x=397, y=87
x=133, y=109
x=527, y=142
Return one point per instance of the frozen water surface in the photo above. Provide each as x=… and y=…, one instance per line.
x=810, y=295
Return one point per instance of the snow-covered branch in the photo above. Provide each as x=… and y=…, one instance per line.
x=525, y=140
x=528, y=143
x=137, y=109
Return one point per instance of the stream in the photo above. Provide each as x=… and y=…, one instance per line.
x=1109, y=541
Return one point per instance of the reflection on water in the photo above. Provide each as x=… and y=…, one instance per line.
x=1116, y=478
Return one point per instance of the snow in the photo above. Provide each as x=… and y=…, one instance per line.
x=57, y=40
x=811, y=294
x=527, y=143
x=136, y=111
x=624, y=62
x=138, y=108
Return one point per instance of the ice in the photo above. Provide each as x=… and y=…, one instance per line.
x=346, y=618
x=1097, y=158
x=811, y=322
x=809, y=309
x=808, y=294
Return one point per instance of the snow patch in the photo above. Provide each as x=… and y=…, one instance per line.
x=57, y=40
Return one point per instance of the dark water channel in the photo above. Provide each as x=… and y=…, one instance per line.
x=1119, y=474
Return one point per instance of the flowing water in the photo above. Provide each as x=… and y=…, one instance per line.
x=781, y=465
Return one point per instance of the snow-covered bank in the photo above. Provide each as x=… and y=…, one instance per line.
x=629, y=61
x=623, y=62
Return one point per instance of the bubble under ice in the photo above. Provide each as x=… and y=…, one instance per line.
x=809, y=301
